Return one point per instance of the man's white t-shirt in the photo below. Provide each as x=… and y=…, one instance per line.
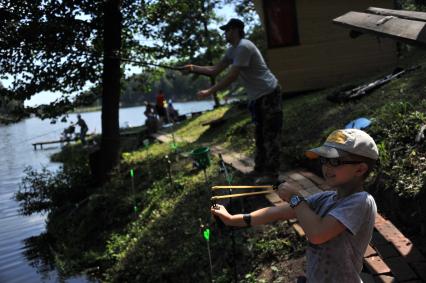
x=255, y=76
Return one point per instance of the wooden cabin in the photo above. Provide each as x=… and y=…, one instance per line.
x=307, y=51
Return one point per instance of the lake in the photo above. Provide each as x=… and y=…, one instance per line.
x=16, y=154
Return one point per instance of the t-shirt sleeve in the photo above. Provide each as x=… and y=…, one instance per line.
x=353, y=211
x=315, y=201
x=242, y=56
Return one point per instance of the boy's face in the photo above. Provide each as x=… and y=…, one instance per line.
x=341, y=171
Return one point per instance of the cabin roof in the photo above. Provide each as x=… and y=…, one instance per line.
x=405, y=26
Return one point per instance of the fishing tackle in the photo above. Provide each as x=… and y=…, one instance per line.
x=267, y=189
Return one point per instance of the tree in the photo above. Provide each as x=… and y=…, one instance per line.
x=184, y=27
x=63, y=46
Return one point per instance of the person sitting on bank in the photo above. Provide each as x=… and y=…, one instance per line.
x=68, y=133
x=151, y=121
x=172, y=112
x=339, y=223
x=160, y=99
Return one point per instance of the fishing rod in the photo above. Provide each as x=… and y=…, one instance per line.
x=152, y=64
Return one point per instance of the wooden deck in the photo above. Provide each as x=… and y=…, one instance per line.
x=75, y=139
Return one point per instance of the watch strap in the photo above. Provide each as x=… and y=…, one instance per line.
x=247, y=219
x=299, y=200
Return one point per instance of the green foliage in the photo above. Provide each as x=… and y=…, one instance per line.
x=402, y=159
x=48, y=191
x=414, y=5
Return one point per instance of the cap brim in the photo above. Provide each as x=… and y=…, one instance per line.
x=224, y=27
x=325, y=151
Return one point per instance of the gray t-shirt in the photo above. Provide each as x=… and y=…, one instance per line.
x=340, y=259
x=255, y=76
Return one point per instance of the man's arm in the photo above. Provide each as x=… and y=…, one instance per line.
x=258, y=217
x=231, y=77
x=206, y=70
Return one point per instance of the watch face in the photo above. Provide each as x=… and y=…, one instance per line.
x=294, y=200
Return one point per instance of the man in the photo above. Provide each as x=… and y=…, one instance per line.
x=263, y=92
x=83, y=129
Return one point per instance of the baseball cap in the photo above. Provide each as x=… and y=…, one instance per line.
x=341, y=142
x=233, y=23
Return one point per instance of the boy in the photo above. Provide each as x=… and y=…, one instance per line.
x=338, y=224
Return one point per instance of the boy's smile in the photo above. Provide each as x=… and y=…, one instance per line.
x=339, y=172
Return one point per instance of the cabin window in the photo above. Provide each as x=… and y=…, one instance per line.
x=281, y=23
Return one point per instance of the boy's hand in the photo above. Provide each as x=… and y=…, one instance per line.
x=221, y=212
x=287, y=189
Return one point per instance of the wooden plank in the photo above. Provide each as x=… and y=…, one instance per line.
x=402, y=244
x=299, y=230
x=385, y=279
x=240, y=162
x=409, y=31
x=311, y=176
x=275, y=199
x=376, y=265
x=370, y=251
x=410, y=15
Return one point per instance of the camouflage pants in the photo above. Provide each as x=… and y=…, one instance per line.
x=268, y=117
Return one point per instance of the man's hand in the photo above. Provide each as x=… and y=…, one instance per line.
x=186, y=69
x=287, y=189
x=222, y=213
x=205, y=93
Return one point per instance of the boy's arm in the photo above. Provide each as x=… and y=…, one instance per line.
x=258, y=217
x=318, y=229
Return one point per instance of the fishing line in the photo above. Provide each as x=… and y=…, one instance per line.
x=229, y=177
x=39, y=136
x=150, y=64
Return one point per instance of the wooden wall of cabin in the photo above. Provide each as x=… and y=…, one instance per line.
x=326, y=55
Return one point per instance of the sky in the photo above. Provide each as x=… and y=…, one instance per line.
x=46, y=97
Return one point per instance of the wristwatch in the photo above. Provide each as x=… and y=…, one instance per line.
x=295, y=200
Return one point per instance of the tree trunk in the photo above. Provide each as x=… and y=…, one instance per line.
x=110, y=142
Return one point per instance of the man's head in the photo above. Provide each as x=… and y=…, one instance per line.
x=346, y=154
x=234, y=29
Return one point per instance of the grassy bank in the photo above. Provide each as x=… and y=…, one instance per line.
x=153, y=231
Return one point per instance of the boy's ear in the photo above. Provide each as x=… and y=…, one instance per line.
x=362, y=168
